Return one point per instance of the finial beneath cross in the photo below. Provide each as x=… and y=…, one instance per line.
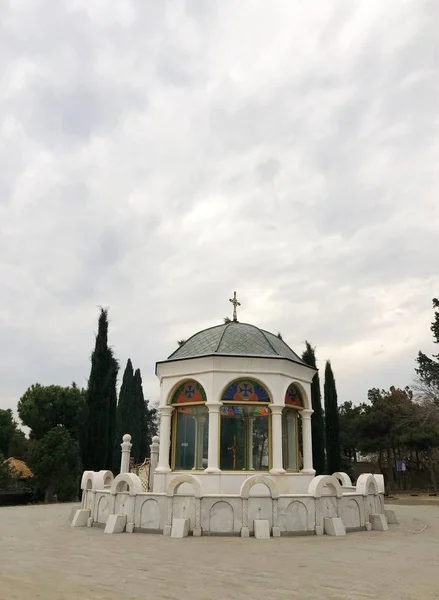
x=235, y=303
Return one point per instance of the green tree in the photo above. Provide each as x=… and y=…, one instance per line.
x=5, y=474
x=332, y=427
x=381, y=428
x=19, y=445
x=317, y=422
x=55, y=462
x=128, y=417
x=54, y=414
x=428, y=367
x=349, y=423
x=42, y=408
x=148, y=420
x=101, y=402
x=7, y=429
x=142, y=450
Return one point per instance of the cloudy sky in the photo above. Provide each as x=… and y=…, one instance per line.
x=157, y=155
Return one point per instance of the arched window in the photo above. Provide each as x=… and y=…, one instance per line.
x=292, y=429
x=244, y=441
x=190, y=427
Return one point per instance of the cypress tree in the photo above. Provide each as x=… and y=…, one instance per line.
x=332, y=427
x=317, y=424
x=142, y=450
x=101, y=401
x=148, y=418
x=127, y=415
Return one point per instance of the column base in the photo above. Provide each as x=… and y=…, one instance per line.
x=212, y=470
x=308, y=471
x=277, y=471
x=163, y=470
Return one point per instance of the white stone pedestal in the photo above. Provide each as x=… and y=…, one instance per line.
x=261, y=529
x=81, y=517
x=73, y=511
x=334, y=526
x=116, y=524
x=379, y=522
x=130, y=528
x=180, y=528
x=275, y=531
x=391, y=516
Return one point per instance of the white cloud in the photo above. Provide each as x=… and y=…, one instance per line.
x=157, y=156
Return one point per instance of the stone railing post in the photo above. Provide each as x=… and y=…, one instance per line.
x=126, y=446
x=154, y=459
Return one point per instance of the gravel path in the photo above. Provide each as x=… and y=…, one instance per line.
x=41, y=556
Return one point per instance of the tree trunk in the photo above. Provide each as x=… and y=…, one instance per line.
x=432, y=472
x=50, y=490
x=390, y=474
x=380, y=461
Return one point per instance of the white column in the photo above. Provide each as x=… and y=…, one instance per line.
x=305, y=415
x=195, y=443
x=165, y=439
x=276, y=439
x=200, y=439
x=126, y=451
x=250, y=443
x=214, y=428
x=291, y=437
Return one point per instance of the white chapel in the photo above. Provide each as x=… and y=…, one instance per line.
x=234, y=452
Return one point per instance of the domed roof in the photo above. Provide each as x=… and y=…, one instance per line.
x=235, y=339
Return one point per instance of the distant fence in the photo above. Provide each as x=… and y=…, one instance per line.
x=13, y=498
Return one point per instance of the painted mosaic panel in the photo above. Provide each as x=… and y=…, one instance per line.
x=293, y=397
x=189, y=391
x=238, y=411
x=245, y=390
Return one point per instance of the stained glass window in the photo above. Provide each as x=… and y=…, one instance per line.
x=244, y=441
x=245, y=390
x=293, y=397
x=189, y=392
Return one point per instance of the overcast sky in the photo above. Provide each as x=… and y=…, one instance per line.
x=155, y=156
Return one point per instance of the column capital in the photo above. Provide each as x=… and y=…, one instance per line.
x=306, y=413
x=275, y=409
x=214, y=407
x=166, y=411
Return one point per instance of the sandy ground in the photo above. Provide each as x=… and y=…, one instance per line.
x=41, y=556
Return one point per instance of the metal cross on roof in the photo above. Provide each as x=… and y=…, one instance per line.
x=235, y=303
